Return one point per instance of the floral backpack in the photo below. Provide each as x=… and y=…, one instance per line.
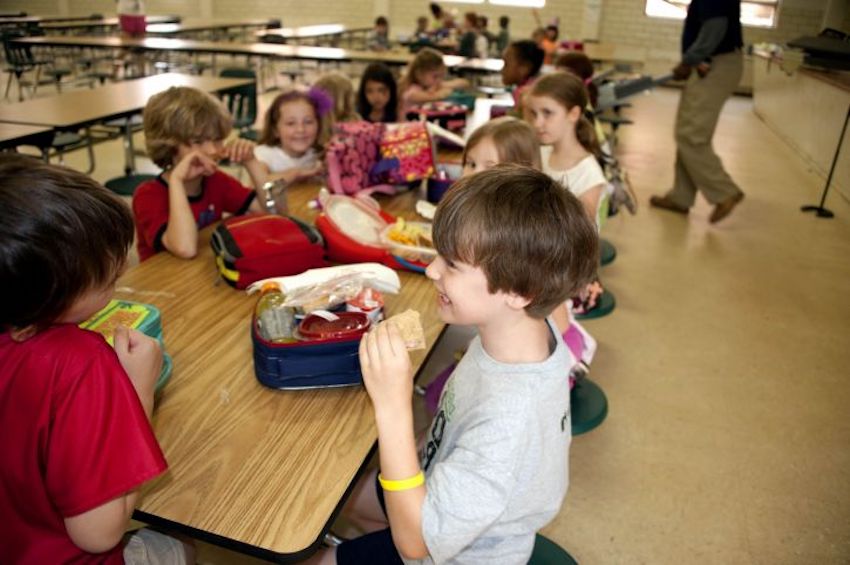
x=363, y=157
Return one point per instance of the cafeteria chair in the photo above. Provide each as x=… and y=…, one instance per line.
x=606, y=302
x=126, y=185
x=547, y=552
x=242, y=102
x=20, y=60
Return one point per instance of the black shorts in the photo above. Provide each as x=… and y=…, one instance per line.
x=376, y=548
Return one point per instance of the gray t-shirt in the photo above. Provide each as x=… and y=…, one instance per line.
x=496, y=457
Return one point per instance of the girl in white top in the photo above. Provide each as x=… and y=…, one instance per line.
x=555, y=106
x=291, y=142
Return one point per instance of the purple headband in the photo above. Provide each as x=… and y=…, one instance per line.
x=322, y=101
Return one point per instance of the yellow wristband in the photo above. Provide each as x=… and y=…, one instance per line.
x=403, y=484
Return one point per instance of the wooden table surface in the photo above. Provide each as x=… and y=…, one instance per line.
x=258, y=470
x=12, y=135
x=79, y=108
x=111, y=21
x=204, y=24
x=255, y=49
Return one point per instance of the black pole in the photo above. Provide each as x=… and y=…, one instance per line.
x=819, y=210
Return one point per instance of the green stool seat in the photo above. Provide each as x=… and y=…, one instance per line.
x=607, y=252
x=126, y=185
x=547, y=552
x=604, y=306
x=588, y=406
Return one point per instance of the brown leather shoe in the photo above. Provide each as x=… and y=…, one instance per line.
x=723, y=209
x=667, y=204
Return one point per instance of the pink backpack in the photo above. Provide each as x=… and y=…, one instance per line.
x=363, y=157
x=351, y=155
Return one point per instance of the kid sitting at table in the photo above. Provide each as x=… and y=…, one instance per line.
x=522, y=63
x=494, y=467
x=75, y=413
x=377, y=98
x=294, y=133
x=501, y=140
x=185, y=130
x=424, y=79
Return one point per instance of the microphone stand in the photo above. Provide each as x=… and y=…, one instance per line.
x=819, y=210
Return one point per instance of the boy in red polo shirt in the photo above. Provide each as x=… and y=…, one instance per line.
x=77, y=440
x=185, y=130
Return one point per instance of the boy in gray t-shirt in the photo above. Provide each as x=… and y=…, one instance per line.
x=512, y=245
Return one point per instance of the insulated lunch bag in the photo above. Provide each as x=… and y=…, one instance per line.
x=258, y=246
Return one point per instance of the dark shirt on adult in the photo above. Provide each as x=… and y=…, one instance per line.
x=701, y=11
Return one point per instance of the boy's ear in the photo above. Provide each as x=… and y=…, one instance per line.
x=515, y=301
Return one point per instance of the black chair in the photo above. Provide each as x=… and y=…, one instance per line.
x=242, y=102
x=20, y=60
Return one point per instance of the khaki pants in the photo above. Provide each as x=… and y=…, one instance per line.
x=697, y=165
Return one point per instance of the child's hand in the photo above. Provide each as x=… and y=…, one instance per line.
x=240, y=150
x=141, y=357
x=386, y=368
x=192, y=166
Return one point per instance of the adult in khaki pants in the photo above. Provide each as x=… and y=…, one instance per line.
x=711, y=45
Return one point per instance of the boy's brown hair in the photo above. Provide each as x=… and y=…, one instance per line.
x=514, y=139
x=528, y=234
x=181, y=116
x=61, y=234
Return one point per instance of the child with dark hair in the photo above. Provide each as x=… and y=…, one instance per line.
x=522, y=62
x=377, y=97
x=185, y=130
x=469, y=36
x=580, y=65
x=503, y=38
x=379, y=39
x=75, y=413
x=493, y=469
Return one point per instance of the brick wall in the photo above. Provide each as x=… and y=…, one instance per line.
x=621, y=21
x=624, y=21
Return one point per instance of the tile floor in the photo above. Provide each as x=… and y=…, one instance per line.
x=728, y=437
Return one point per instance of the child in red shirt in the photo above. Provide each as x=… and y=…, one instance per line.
x=77, y=440
x=185, y=130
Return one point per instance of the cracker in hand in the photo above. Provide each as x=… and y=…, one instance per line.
x=409, y=326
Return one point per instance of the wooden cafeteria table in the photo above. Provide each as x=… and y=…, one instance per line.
x=261, y=471
x=304, y=52
x=82, y=108
x=94, y=23
x=13, y=135
x=194, y=25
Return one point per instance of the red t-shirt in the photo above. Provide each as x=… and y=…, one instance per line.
x=220, y=192
x=75, y=436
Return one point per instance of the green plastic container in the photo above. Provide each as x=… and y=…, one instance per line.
x=143, y=317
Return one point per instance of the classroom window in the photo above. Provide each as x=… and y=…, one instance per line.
x=756, y=13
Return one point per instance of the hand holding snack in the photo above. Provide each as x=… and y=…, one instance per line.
x=385, y=362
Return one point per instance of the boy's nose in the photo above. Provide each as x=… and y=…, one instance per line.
x=432, y=271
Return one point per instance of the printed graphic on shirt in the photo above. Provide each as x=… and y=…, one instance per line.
x=435, y=437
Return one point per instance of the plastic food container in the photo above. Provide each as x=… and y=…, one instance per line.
x=417, y=253
x=345, y=326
